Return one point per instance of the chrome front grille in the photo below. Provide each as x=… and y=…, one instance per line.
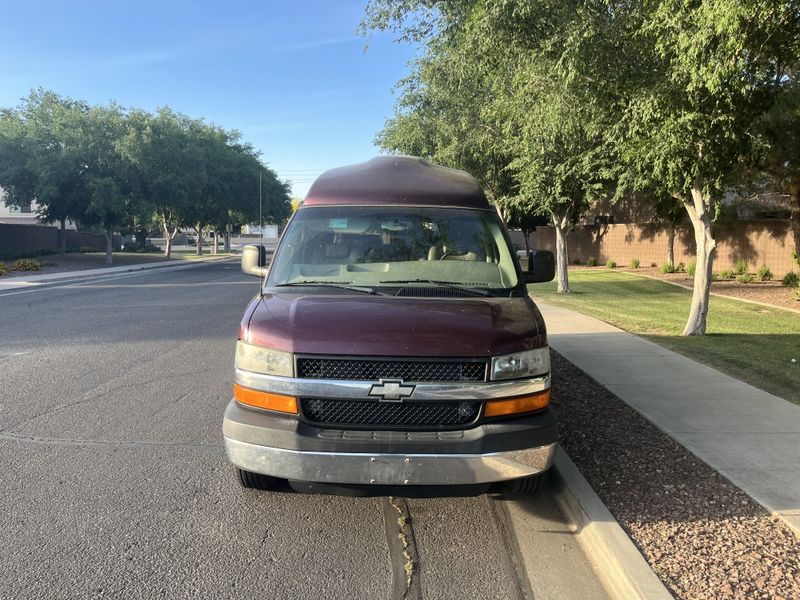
x=413, y=370
x=396, y=415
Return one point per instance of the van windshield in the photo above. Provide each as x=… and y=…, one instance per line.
x=394, y=246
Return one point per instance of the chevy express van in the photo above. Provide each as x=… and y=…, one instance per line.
x=393, y=342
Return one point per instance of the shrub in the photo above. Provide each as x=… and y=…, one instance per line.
x=591, y=261
x=3, y=269
x=610, y=264
x=577, y=261
x=681, y=268
x=667, y=267
x=796, y=256
x=764, y=274
x=150, y=247
x=87, y=249
x=727, y=274
x=653, y=265
x=26, y=264
x=634, y=263
x=741, y=267
x=129, y=247
x=744, y=278
x=791, y=280
x=691, y=268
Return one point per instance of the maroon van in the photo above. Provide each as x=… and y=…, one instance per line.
x=393, y=341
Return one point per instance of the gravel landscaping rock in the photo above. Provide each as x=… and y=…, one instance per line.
x=701, y=534
x=766, y=292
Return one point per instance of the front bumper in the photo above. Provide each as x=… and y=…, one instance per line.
x=389, y=469
x=285, y=447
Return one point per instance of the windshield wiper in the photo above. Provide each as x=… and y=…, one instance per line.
x=444, y=284
x=344, y=286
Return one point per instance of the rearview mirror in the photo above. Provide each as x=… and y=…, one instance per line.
x=254, y=260
x=541, y=267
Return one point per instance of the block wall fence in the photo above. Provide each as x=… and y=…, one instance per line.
x=758, y=242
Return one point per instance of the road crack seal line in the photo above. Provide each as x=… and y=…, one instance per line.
x=402, y=549
x=510, y=546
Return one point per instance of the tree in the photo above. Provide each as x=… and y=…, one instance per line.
x=561, y=160
x=476, y=102
x=156, y=146
x=780, y=127
x=109, y=177
x=224, y=187
x=668, y=213
x=41, y=157
x=16, y=176
x=690, y=123
x=108, y=167
x=526, y=222
x=444, y=113
x=688, y=81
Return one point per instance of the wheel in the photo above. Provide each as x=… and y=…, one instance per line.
x=525, y=485
x=255, y=481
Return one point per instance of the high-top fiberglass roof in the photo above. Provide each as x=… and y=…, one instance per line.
x=388, y=180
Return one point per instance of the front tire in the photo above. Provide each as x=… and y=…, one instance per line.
x=255, y=481
x=525, y=485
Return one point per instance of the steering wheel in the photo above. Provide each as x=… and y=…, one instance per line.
x=454, y=251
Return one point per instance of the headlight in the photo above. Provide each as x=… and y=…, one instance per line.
x=521, y=364
x=264, y=360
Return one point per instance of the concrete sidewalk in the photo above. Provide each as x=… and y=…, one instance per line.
x=748, y=435
x=30, y=281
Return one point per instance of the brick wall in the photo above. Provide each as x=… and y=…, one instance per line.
x=759, y=242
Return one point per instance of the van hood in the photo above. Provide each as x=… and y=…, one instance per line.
x=394, y=326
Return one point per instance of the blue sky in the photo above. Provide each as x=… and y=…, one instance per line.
x=292, y=76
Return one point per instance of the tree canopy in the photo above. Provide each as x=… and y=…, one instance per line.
x=575, y=100
x=111, y=167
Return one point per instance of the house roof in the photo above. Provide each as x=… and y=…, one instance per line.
x=386, y=180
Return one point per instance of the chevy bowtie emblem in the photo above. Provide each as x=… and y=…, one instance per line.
x=391, y=390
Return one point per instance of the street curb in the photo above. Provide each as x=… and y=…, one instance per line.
x=621, y=568
x=91, y=274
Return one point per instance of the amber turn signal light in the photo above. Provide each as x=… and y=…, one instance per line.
x=284, y=404
x=524, y=404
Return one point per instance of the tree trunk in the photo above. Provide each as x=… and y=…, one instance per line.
x=215, y=242
x=167, y=238
x=227, y=246
x=62, y=235
x=527, y=234
x=671, y=245
x=794, y=215
x=699, y=213
x=562, y=256
x=199, y=231
x=141, y=237
x=109, y=245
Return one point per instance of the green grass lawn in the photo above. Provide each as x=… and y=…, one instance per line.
x=750, y=342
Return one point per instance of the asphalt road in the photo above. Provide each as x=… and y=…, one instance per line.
x=114, y=482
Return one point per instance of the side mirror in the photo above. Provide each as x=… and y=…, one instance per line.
x=541, y=267
x=254, y=260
